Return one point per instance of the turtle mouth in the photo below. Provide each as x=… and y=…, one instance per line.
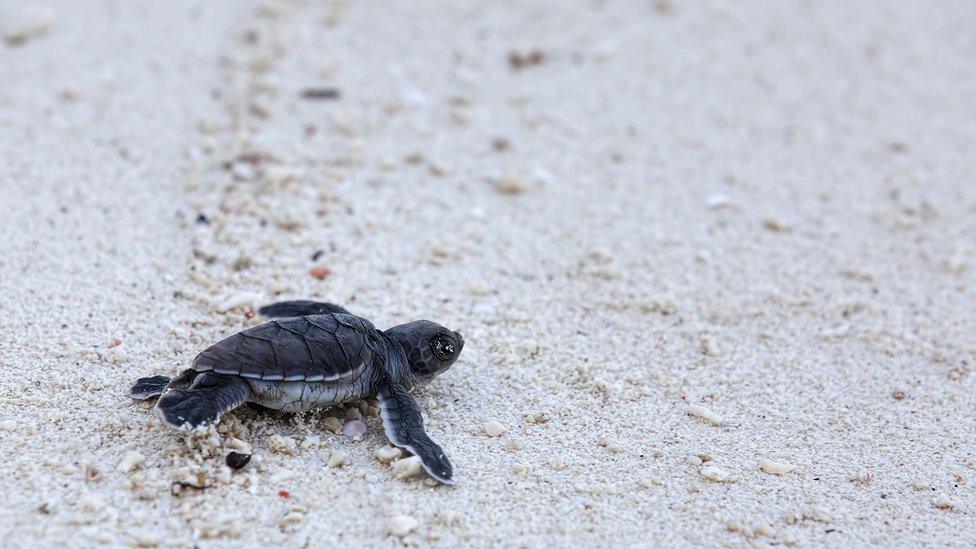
x=460, y=341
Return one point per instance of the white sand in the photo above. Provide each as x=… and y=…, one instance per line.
x=766, y=210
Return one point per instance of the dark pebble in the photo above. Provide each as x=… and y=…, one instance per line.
x=237, y=461
x=320, y=93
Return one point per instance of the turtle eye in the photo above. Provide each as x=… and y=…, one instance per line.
x=442, y=347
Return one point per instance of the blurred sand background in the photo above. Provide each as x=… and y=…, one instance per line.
x=763, y=213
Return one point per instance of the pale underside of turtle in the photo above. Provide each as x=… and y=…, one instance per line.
x=314, y=354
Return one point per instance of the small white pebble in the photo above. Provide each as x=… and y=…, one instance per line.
x=558, y=464
x=494, y=429
x=509, y=186
x=715, y=473
x=354, y=429
x=281, y=445
x=130, y=461
x=386, y=454
x=718, y=201
x=238, y=445
x=291, y=519
x=775, y=225
x=706, y=414
x=817, y=513
x=400, y=525
x=775, y=467
x=239, y=300
x=942, y=501
x=337, y=458
x=408, y=467
x=281, y=476
x=763, y=529
x=479, y=287
x=514, y=445
x=609, y=445
x=863, y=477
x=20, y=26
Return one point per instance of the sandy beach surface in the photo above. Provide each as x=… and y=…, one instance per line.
x=714, y=265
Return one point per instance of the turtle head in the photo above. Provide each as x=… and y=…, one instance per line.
x=430, y=348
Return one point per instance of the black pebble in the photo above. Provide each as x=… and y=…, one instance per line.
x=237, y=461
x=320, y=93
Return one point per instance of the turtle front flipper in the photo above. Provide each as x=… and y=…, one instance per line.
x=404, y=427
x=300, y=307
x=204, y=401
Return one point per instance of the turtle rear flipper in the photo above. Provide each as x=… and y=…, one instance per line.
x=204, y=401
x=404, y=427
x=300, y=307
x=148, y=387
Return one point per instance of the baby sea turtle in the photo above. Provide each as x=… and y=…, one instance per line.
x=315, y=354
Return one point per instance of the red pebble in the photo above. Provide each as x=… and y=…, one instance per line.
x=284, y=493
x=320, y=272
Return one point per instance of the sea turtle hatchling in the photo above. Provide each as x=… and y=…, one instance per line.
x=315, y=354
